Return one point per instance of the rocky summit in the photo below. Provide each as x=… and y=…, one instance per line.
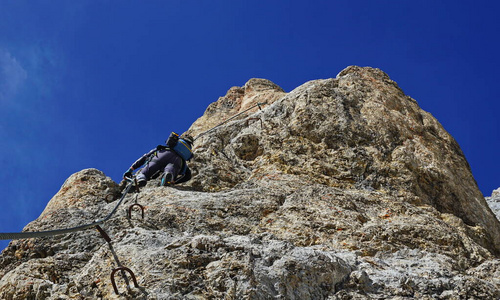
x=343, y=188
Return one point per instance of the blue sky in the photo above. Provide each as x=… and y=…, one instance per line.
x=95, y=84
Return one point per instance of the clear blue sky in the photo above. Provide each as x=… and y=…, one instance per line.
x=95, y=84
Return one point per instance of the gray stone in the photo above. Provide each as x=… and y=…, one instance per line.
x=340, y=189
x=494, y=202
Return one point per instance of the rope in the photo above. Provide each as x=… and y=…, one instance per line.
x=37, y=234
x=224, y=122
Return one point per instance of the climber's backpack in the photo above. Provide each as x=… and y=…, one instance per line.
x=180, y=146
x=183, y=149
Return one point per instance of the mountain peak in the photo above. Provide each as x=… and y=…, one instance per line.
x=343, y=188
x=356, y=131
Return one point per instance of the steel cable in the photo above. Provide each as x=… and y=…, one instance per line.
x=37, y=234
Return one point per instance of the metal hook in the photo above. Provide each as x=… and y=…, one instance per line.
x=254, y=119
x=110, y=198
x=132, y=206
x=122, y=269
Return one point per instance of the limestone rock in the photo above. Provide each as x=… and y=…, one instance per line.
x=494, y=202
x=356, y=131
x=340, y=189
x=236, y=100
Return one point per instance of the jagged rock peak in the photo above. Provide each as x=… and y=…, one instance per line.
x=83, y=189
x=496, y=193
x=364, y=71
x=356, y=131
x=340, y=189
x=260, y=85
x=236, y=100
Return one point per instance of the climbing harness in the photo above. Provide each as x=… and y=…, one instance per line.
x=225, y=121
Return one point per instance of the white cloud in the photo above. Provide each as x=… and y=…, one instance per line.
x=12, y=76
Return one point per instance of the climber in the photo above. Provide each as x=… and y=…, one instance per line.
x=169, y=161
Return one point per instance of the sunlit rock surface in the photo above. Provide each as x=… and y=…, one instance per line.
x=340, y=189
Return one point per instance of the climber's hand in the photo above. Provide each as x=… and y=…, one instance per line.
x=127, y=174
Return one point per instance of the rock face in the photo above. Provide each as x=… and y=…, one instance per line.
x=340, y=189
x=237, y=100
x=494, y=202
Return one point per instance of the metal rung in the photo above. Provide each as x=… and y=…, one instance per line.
x=132, y=206
x=122, y=269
